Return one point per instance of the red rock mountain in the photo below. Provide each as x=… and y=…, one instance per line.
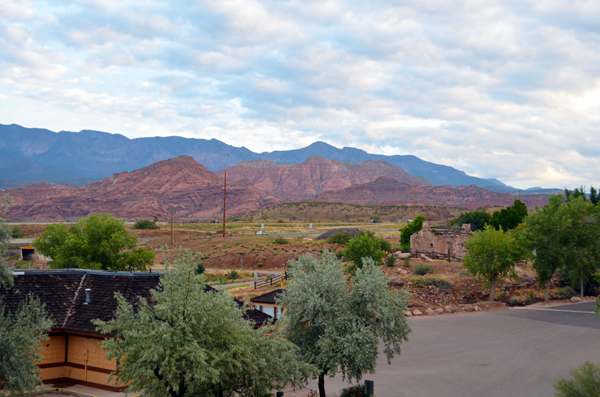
x=298, y=182
x=388, y=191
x=182, y=182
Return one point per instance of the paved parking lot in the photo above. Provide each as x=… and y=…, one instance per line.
x=515, y=352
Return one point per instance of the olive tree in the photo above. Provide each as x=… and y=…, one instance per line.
x=188, y=341
x=21, y=336
x=491, y=255
x=339, y=325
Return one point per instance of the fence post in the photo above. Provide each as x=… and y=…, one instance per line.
x=254, y=284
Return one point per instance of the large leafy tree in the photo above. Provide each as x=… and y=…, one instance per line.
x=192, y=342
x=477, y=219
x=364, y=245
x=564, y=236
x=99, y=242
x=21, y=334
x=491, y=255
x=510, y=217
x=338, y=325
x=580, y=192
x=410, y=229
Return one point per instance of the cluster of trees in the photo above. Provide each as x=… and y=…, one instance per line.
x=411, y=228
x=194, y=343
x=100, y=242
x=560, y=237
x=364, y=245
x=507, y=218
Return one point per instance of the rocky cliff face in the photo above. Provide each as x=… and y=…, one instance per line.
x=182, y=182
x=388, y=191
x=299, y=182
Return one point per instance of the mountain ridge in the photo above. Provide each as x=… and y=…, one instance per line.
x=95, y=154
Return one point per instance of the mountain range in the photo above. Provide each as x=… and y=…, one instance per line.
x=195, y=192
x=30, y=155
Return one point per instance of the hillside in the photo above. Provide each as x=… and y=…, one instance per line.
x=182, y=182
x=300, y=182
x=387, y=191
x=96, y=155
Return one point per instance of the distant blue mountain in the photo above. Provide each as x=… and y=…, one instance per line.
x=38, y=154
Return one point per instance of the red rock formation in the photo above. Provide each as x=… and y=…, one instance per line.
x=297, y=182
x=182, y=182
x=388, y=191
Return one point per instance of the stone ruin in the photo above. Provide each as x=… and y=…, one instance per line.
x=440, y=243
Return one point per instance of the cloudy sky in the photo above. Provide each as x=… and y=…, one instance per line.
x=499, y=89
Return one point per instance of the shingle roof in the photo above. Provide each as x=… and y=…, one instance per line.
x=63, y=292
x=269, y=297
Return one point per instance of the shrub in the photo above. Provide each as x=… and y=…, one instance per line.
x=405, y=249
x=233, y=275
x=145, y=224
x=515, y=301
x=464, y=273
x=200, y=268
x=353, y=391
x=390, y=260
x=281, y=240
x=425, y=281
x=585, y=382
x=386, y=246
x=567, y=292
x=340, y=238
x=422, y=269
x=406, y=262
x=530, y=298
x=16, y=232
x=23, y=264
x=260, y=264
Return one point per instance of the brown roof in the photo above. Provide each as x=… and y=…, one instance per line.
x=63, y=292
x=269, y=297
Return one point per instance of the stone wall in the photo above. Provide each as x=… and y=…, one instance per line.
x=446, y=243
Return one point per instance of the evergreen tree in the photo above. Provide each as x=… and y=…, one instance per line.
x=510, y=217
x=477, y=219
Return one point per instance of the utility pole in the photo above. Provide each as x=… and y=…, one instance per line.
x=224, y=195
x=414, y=200
x=172, y=230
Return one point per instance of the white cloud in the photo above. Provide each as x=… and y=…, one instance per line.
x=497, y=89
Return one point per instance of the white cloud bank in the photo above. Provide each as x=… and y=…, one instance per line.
x=505, y=89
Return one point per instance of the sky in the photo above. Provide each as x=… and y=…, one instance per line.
x=498, y=89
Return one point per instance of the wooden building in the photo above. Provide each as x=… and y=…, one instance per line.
x=74, y=298
x=266, y=303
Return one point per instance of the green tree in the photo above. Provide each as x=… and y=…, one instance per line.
x=17, y=232
x=99, y=242
x=145, y=224
x=6, y=277
x=341, y=238
x=585, y=382
x=411, y=228
x=491, y=255
x=580, y=192
x=364, y=245
x=562, y=235
x=21, y=336
x=477, y=219
x=338, y=325
x=191, y=342
x=510, y=217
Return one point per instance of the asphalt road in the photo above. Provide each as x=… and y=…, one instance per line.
x=515, y=352
x=319, y=233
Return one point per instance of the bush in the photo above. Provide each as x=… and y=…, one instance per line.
x=515, y=301
x=260, y=264
x=390, y=261
x=464, y=273
x=145, y=224
x=234, y=274
x=530, y=298
x=23, y=264
x=567, y=292
x=353, y=391
x=422, y=269
x=405, y=249
x=281, y=240
x=585, y=382
x=16, y=232
x=340, y=238
x=386, y=246
x=200, y=268
x=425, y=281
x=406, y=262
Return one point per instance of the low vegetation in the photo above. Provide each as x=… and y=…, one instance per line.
x=422, y=269
x=145, y=224
x=585, y=382
x=443, y=283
